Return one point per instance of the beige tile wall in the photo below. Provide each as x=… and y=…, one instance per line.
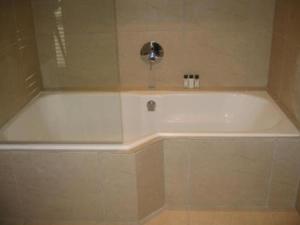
x=150, y=179
x=226, y=42
x=19, y=65
x=284, y=77
x=231, y=173
x=77, y=43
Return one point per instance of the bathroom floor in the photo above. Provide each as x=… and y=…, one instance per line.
x=226, y=218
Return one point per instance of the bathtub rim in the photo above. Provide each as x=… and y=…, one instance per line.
x=128, y=146
x=132, y=146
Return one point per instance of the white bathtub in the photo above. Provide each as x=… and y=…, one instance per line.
x=53, y=119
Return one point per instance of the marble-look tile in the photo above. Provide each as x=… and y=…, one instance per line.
x=30, y=67
x=298, y=199
x=176, y=173
x=117, y=176
x=74, y=17
x=276, y=65
x=24, y=19
x=150, y=179
x=85, y=61
x=284, y=73
x=290, y=76
x=149, y=16
x=226, y=218
x=201, y=217
x=293, y=33
x=57, y=185
x=170, y=217
x=77, y=43
x=286, y=174
x=10, y=200
x=13, y=94
x=252, y=218
x=14, y=221
x=227, y=43
x=7, y=24
x=230, y=174
x=135, y=73
x=281, y=18
x=227, y=59
x=223, y=218
x=88, y=16
x=286, y=218
x=16, y=29
x=228, y=16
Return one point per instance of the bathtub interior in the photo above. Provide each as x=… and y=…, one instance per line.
x=112, y=117
x=68, y=117
x=207, y=114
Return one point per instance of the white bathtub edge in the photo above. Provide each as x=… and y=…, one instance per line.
x=135, y=144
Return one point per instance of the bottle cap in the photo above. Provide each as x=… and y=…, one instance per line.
x=197, y=76
x=185, y=76
x=191, y=76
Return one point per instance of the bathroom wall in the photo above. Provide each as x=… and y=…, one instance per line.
x=19, y=66
x=77, y=43
x=284, y=77
x=226, y=42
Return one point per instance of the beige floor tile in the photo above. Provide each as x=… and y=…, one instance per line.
x=286, y=218
x=170, y=218
x=201, y=217
x=223, y=218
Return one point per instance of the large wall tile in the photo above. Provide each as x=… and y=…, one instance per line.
x=285, y=175
x=118, y=185
x=284, y=85
x=149, y=15
x=230, y=174
x=150, y=179
x=24, y=19
x=10, y=199
x=226, y=42
x=229, y=15
x=276, y=65
x=13, y=93
x=7, y=24
x=176, y=161
x=135, y=73
x=19, y=66
x=284, y=73
x=57, y=186
x=77, y=43
x=228, y=59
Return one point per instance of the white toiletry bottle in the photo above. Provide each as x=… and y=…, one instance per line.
x=197, y=81
x=186, y=81
x=191, y=81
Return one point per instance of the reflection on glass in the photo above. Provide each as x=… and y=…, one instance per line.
x=59, y=38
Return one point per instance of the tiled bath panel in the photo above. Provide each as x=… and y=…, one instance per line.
x=185, y=174
x=231, y=173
